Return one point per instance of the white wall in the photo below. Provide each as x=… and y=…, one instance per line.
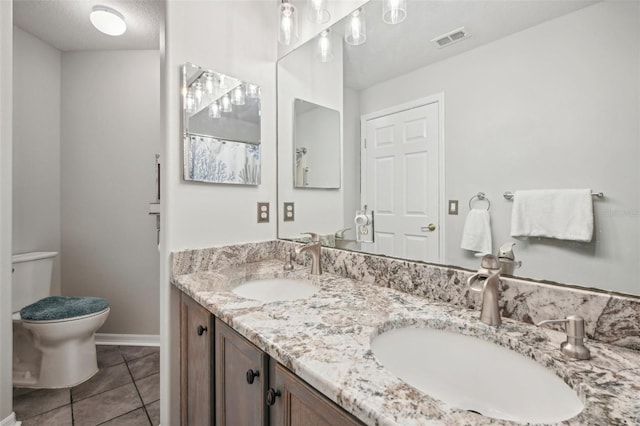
x=554, y=106
x=351, y=163
x=237, y=38
x=302, y=76
x=6, y=332
x=318, y=130
x=110, y=134
x=36, y=148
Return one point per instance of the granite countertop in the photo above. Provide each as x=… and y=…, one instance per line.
x=325, y=340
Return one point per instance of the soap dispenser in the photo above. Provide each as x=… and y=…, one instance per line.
x=507, y=259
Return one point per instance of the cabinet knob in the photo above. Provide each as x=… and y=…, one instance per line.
x=201, y=330
x=251, y=375
x=272, y=395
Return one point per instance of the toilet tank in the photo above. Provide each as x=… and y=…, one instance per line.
x=31, y=278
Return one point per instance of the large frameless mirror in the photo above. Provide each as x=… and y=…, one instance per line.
x=316, y=137
x=221, y=122
x=475, y=97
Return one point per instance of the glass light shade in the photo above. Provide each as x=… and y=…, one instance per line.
x=214, y=110
x=355, y=31
x=317, y=11
x=222, y=81
x=252, y=90
x=324, y=48
x=197, y=92
x=237, y=96
x=208, y=83
x=189, y=101
x=108, y=21
x=394, y=11
x=288, y=32
x=226, y=104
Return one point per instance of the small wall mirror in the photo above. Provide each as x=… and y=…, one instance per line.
x=316, y=137
x=221, y=122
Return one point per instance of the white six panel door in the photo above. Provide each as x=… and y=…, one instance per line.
x=402, y=182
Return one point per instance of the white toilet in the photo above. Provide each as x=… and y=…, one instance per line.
x=53, y=336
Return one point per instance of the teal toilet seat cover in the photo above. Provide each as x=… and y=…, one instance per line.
x=62, y=307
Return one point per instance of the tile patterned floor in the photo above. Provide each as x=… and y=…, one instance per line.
x=125, y=391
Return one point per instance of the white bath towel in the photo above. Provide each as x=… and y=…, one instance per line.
x=563, y=214
x=477, y=232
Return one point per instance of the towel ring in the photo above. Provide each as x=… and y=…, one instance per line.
x=480, y=196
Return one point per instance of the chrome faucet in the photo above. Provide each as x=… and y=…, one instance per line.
x=314, y=250
x=574, y=345
x=487, y=281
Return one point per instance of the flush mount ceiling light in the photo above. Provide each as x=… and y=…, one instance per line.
x=108, y=21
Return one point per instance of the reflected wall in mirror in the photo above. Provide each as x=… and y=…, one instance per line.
x=221, y=122
x=542, y=95
x=316, y=138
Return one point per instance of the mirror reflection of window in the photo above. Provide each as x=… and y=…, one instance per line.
x=316, y=138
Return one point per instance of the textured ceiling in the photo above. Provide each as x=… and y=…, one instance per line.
x=392, y=50
x=65, y=25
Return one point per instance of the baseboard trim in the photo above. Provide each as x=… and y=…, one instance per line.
x=10, y=421
x=127, y=340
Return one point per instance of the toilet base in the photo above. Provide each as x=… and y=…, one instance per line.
x=54, y=355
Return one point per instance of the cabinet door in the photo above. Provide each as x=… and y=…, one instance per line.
x=196, y=364
x=241, y=380
x=294, y=403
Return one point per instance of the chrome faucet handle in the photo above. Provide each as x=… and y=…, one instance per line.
x=288, y=261
x=574, y=345
x=315, y=238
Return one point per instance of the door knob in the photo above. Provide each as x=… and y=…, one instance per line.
x=431, y=227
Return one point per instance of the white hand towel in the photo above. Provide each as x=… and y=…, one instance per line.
x=563, y=214
x=477, y=232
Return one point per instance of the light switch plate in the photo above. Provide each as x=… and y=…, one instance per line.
x=263, y=212
x=289, y=212
x=453, y=206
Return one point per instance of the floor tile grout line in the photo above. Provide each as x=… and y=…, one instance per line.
x=144, y=406
x=106, y=390
x=44, y=412
x=121, y=415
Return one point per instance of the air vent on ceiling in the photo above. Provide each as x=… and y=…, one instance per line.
x=451, y=37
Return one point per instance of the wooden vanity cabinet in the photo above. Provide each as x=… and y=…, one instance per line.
x=292, y=402
x=196, y=364
x=241, y=379
x=227, y=381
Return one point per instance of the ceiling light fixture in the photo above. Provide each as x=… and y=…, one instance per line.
x=108, y=21
x=237, y=96
x=394, y=11
x=355, y=30
x=288, y=33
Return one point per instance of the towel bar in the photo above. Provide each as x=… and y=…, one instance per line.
x=509, y=195
x=480, y=196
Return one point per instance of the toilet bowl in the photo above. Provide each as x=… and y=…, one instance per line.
x=53, y=336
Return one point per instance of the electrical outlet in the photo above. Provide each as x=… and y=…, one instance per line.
x=289, y=212
x=453, y=206
x=263, y=212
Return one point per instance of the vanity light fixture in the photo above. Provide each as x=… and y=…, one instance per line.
x=317, y=11
x=237, y=96
x=214, y=110
x=197, y=91
x=222, y=81
x=394, y=11
x=355, y=31
x=108, y=21
x=189, y=101
x=324, y=49
x=226, y=104
x=288, y=33
x=252, y=90
x=208, y=83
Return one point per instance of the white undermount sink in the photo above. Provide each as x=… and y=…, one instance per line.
x=276, y=289
x=475, y=375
